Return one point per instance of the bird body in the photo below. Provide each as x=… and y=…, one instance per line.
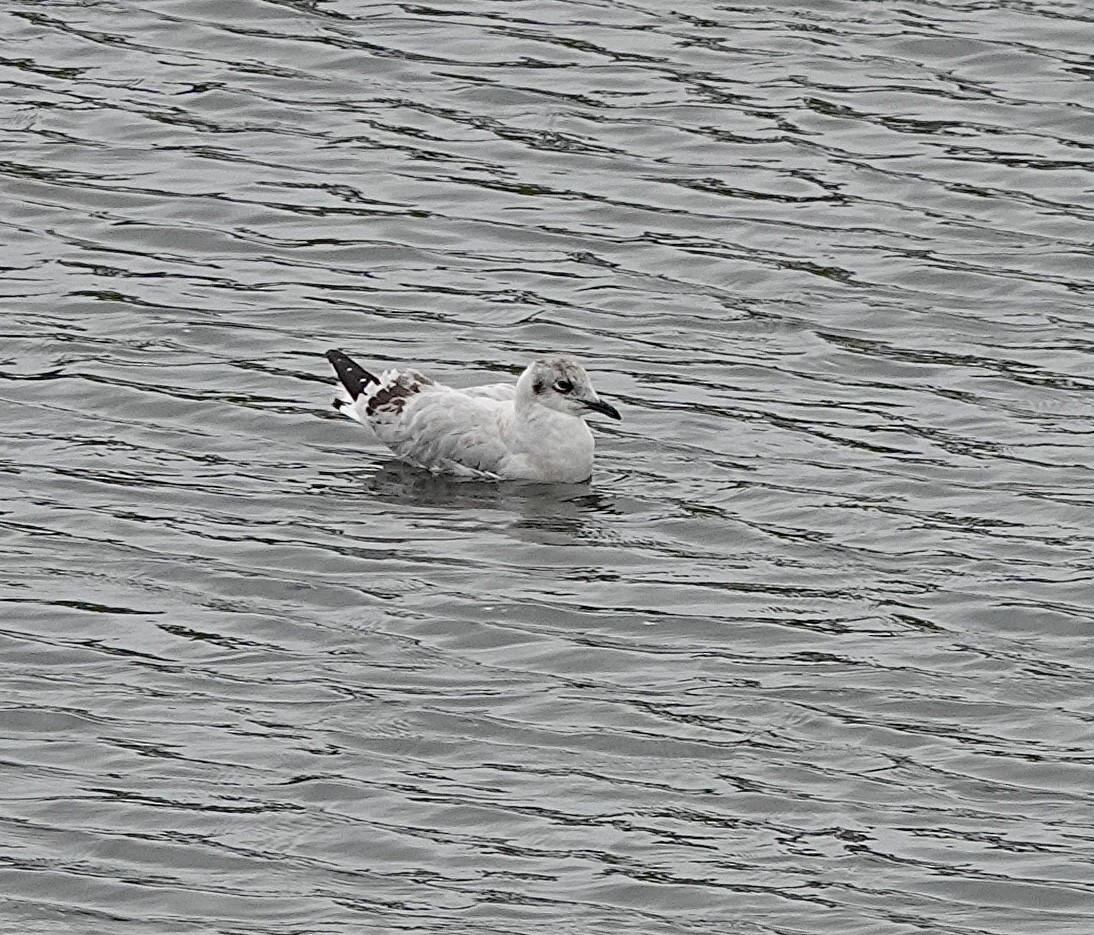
x=531, y=430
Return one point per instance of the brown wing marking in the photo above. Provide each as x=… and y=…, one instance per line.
x=392, y=396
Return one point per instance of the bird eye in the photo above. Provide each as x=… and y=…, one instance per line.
x=564, y=386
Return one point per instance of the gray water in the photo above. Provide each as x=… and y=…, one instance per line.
x=812, y=652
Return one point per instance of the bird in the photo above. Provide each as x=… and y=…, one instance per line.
x=531, y=430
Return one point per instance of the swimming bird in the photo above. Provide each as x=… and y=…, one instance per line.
x=533, y=429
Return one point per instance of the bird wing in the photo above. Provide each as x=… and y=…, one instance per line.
x=444, y=429
x=365, y=399
x=499, y=391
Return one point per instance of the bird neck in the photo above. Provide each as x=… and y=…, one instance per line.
x=552, y=434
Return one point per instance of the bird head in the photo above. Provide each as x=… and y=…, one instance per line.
x=561, y=383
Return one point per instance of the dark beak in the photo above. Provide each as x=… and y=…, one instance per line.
x=598, y=405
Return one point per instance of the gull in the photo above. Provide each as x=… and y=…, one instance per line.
x=533, y=429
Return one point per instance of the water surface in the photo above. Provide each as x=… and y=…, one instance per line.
x=811, y=652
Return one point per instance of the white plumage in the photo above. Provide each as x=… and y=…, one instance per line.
x=533, y=429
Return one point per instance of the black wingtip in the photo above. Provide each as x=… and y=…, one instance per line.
x=352, y=375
